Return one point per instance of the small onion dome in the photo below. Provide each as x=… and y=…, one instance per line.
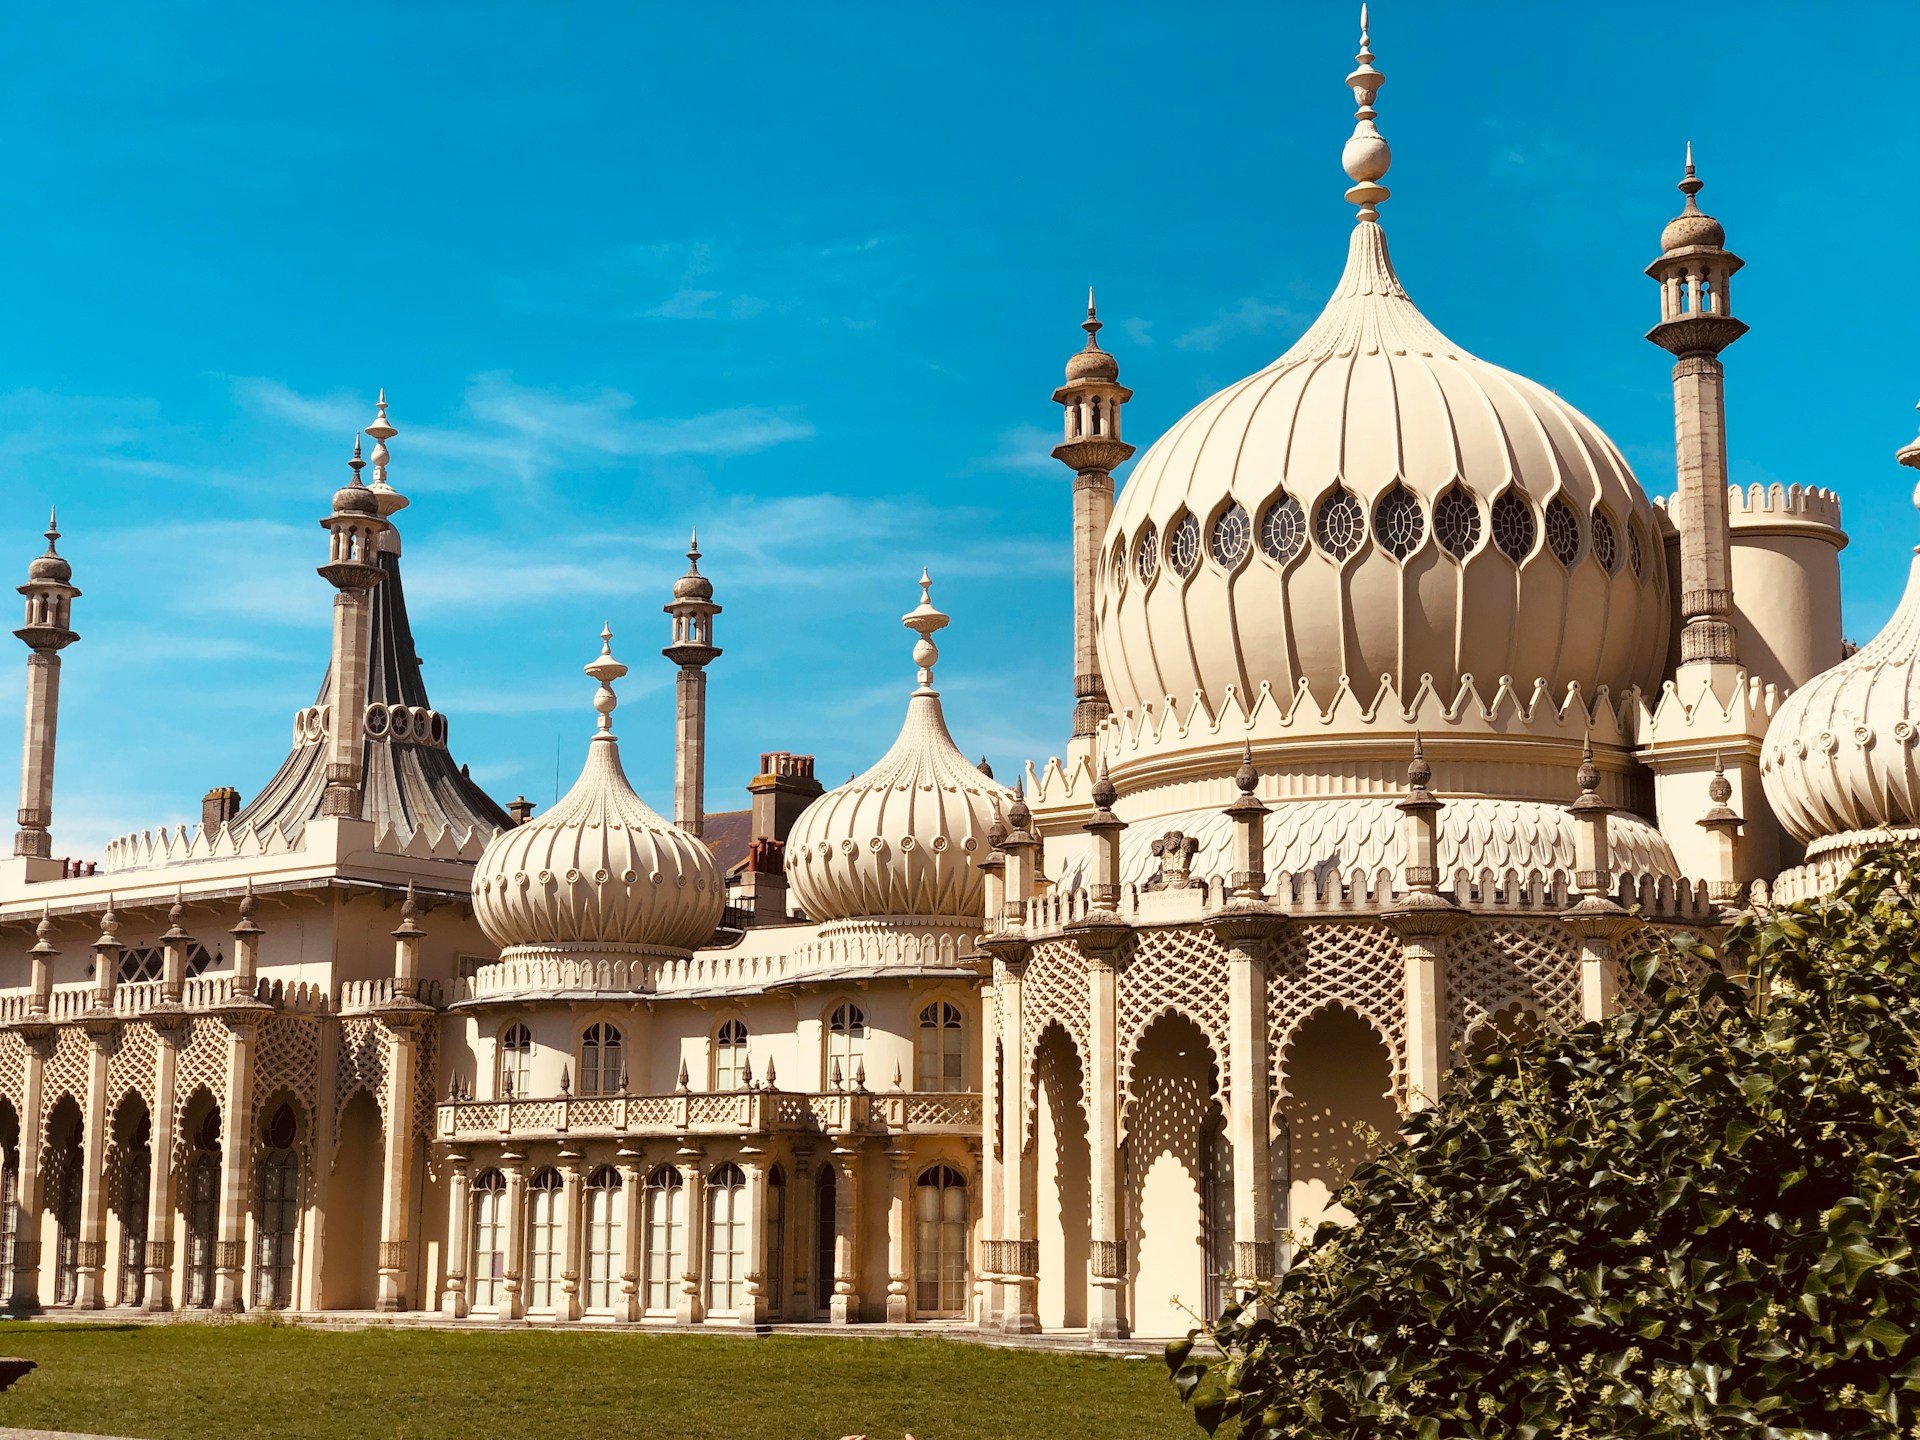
x=906, y=838
x=355, y=499
x=1842, y=753
x=1092, y=363
x=1692, y=226
x=600, y=871
x=53, y=565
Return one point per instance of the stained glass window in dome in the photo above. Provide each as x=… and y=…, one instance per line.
x=1513, y=526
x=1183, y=545
x=1232, y=536
x=1606, y=547
x=1456, y=520
x=1340, y=525
x=1283, y=529
x=1398, y=522
x=1146, y=553
x=1563, y=531
x=1119, y=570
x=1635, y=555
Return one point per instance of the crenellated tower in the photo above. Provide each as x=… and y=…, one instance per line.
x=692, y=609
x=48, y=630
x=355, y=529
x=1695, y=272
x=1092, y=399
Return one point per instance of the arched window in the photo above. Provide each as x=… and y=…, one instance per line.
x=1232, y=536
x=600, y=1060
x=489, y=1263
x=726, y=1240
x=605, y=1238
x=1183, y=544
x=826, y=1190
x=1283, y=530
x=730, y=1055
x=1456, y=520
x=846, y=1043
x=279, y=1213
x=942, y=1052
x=133, y=1200
x=940, y=1242
x=1513, y=527
x=516, y=1060
x=545, y=1201
x=666, y=1238
x=203, y=1210
x=776, y=1271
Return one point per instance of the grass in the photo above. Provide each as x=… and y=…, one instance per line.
x=213, y=1381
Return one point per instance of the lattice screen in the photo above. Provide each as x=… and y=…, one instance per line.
x=1492, y=965
x=362, y=1064
x=130, y=1070
x=1358, y=966
x=1179, y=970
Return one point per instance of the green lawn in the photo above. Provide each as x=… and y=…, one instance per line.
x=211, y=1382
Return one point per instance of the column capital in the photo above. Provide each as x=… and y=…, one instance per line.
x=1249, y=927
x=1594, y=918
x=1426, y=917
x=1100, y=936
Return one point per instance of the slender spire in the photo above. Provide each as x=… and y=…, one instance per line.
x=1366, y=155
x=606, y=670
x=381, y=430
x=925, y=620
x=1092, y=324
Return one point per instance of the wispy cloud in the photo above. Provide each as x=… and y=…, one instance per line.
x=1025, y=450
x=526, y=431
x=1247, y=316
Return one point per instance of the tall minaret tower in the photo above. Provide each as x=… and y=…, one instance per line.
x=1696, y=323
x=48, y=630
x=692, y=609
x=355, y=530
x=1092, y=448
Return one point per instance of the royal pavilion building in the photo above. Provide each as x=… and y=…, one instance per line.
x=1401, y=710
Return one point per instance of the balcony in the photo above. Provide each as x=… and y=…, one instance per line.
x=737, y=1113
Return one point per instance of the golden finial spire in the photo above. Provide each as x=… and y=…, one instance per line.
x=1366, y=155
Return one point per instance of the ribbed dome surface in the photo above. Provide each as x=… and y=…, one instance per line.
x=1379, y=502
x=600, y=870
x=1840, y=753
x=906, y=838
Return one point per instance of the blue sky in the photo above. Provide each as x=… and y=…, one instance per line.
x=806, y=276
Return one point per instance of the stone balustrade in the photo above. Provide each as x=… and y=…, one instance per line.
x=725, y=1113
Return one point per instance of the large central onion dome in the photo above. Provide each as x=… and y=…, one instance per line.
x=600, y=872
x=1378, y=502
x=905, y=839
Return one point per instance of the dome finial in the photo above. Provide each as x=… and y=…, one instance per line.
x=1092, y=323
x=606, y=670
x=53, y=529
x=1366, y=155
x=924, y=619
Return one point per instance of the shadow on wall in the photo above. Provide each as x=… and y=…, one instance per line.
x=1339, y=1085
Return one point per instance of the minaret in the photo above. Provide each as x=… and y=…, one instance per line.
x=1092, y=448
x=1696, y=324
x=692, y=609
x=48, y=630
x=354, y=532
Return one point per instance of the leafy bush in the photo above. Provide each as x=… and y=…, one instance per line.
x=1693, y=1219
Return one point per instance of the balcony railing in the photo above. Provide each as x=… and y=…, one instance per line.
x=741, y=1112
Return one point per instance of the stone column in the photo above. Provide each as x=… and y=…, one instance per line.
x=169, y=1030
x=355, y=529
x=1596, y=919
x=1423, y=919
x=574, y=1181
x=899, y=1219
x=456, y=1300
x=89, y=1288
x=1018, y=1253
x=692, y=1307
x=692, y=609
x=844, y=1309
x=801, y=1201
x=633, y=1181
x=31, y=1201
x=753, y=1312
x=513, y=1305
x=396, y=1169
x=1102, y=939
x=1248, y=931
x=236, y=1156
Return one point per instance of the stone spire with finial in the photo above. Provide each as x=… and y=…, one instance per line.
x=926, y=621
x=1091, y=447
x=380, y=430
x=1695, y=274
x=356, y=528
x=692, y=650
x=1366, y=155
x=48, y=629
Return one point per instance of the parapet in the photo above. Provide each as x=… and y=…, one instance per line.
x=1801, y=507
